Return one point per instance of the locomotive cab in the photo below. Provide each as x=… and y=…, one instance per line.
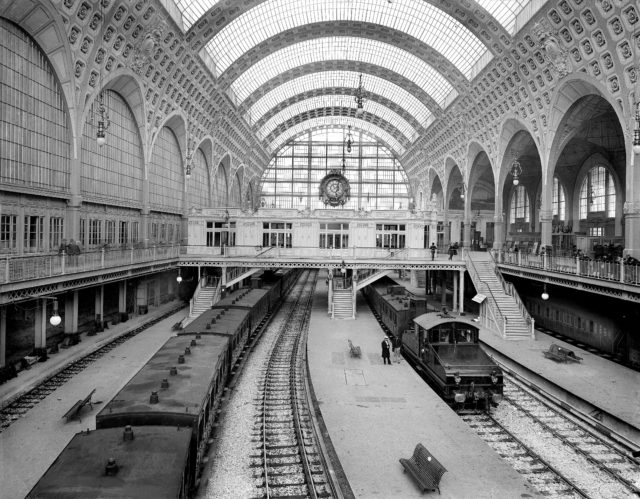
x=446, y=348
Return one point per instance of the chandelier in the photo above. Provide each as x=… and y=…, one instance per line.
x=516, y=171
x=103, y=115
x=349, y=140
x=359, y=99
x=188, y=160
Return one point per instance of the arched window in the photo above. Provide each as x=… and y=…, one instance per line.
x=519, y=205
x=35, y=146
x=598, y=194
x=559, y=204
x=376, y=178
x=166, y=178
x=114, y=170
x=235, y=193
x=220, y=187
x=198, y=184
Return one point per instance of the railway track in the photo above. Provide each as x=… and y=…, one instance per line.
x=557, y=453
x=19, y=407
x=290, y=458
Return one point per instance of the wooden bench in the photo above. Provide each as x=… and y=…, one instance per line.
x=354, y=351
x=424, y=468
x=77, y=407
x=556, y=352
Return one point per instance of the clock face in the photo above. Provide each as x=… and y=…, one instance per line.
x=334, y=189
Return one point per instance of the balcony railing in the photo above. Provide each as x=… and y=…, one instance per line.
x=310, y=252
x=593, y=269
x=25, y=268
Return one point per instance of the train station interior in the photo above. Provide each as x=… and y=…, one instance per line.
x=157, y=154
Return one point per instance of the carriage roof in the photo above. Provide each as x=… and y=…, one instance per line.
x=433, y=319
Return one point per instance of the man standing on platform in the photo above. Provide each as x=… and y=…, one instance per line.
x=433, y=251
x=386, y=351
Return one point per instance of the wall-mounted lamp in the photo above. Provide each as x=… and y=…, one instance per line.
x=462, y=191
x=343, y=267
x=55, y=318
x=544, y=295
x=179, y=278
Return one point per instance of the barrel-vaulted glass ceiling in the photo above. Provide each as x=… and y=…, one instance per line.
x=339, y=79
x=397, y=83
x=344, y=48
x=344, y=101
x=339, y=122
x=418, y=19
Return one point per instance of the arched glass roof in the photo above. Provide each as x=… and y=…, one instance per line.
x=336, y=79
x=420, y=20
x=339, y=121
x=505, y=11
x=337, y=101
x=341, y=48
x=192, y=10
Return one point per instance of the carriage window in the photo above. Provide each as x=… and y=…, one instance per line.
x=464, y=335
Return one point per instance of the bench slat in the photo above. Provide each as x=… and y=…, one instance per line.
x=425, y=469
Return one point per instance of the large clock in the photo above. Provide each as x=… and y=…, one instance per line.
x=335, y=189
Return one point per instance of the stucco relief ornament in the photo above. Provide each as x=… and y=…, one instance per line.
x=553, y=52
x=144, y=50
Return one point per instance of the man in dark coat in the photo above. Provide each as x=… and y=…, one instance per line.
x=386, y=351
x=433, y=251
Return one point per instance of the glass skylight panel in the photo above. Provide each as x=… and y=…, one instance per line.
x=505, y=11
x=334, y=48
x=347, y=79
x=370, y=128
x=420, y=20
x=337, y=101
x=192, y=10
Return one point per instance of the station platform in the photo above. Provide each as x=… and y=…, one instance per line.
x=375, y=414
x=610, y=387
x=32, y=442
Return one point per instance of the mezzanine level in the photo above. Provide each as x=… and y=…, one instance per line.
x=30, y=276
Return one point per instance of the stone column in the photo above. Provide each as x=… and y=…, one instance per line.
x=122, y=297
x=40, y=339
x=454, y=296
x=461, y=300
x=632, y=228
x=3, y=336
x=546, y=217
x=99, y=302
x=413, y=278
x=71, y=312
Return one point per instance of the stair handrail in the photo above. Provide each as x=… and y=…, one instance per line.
x=192, y=300
x=498, y=317
x=216, y=293
x=510, y=289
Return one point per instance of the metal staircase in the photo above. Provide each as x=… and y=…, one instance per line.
x=503, y=308
x=342, y=304
x=206, y=294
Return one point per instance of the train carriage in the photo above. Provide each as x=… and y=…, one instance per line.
x=169, y=406
x=178, y=387
x=148, y=461
x=445, y=347
x=395, y=306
